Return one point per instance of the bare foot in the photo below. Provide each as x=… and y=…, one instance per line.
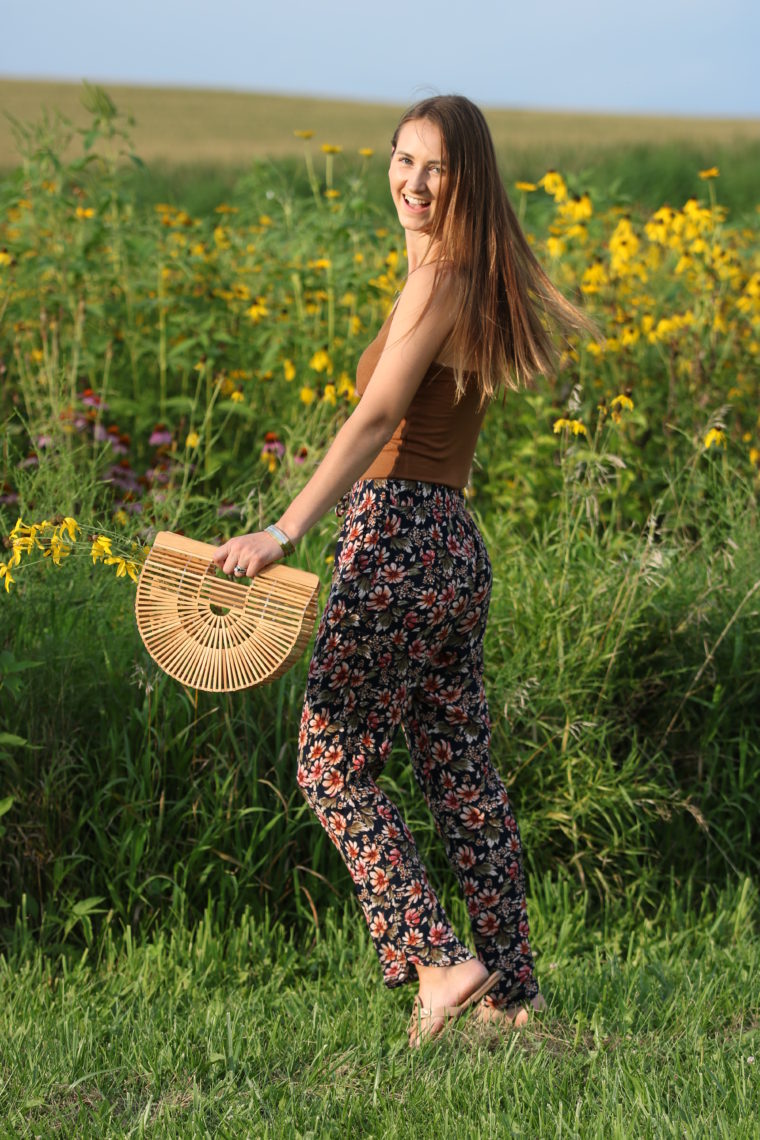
x=513, y=1017
x=441, y=988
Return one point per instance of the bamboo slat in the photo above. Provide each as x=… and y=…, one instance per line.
x=212, y=633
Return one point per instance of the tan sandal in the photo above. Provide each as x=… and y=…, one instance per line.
x=447, y=1013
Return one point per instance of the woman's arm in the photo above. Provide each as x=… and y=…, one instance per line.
x=412, y=345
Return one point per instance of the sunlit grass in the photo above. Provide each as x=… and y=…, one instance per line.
x=652, y=1030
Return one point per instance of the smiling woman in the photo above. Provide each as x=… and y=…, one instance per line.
x=400, y=643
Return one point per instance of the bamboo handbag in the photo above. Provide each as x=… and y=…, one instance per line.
x=215, y=634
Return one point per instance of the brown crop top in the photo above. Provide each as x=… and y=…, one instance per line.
x=435, y=441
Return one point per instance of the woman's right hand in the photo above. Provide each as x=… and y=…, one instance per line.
x=252, y=552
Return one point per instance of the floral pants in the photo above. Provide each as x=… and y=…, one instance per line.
x=400, y=644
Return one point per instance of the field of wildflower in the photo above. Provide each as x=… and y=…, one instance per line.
x=163, y=370
x=165, y=894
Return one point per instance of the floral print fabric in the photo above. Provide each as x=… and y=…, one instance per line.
x=400, y=645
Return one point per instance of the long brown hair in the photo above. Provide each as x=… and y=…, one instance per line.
x=509, y=311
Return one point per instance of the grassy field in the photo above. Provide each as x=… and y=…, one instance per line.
x=228, y=127
x=652, y=1030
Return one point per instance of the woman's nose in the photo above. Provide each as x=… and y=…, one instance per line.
x=416, y=180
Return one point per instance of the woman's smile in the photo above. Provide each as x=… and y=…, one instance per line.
x=415, y=204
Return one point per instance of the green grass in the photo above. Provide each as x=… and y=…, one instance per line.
x=653, y=1030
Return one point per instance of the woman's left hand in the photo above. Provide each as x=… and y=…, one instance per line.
x=253, y=551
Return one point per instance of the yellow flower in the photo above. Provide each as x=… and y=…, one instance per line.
x=320, y=361
x=193, y=439
x=575, y=426
x=121, y=517
x=258, y=310
x=5, y=574
x=237, y=396
x=71, y=526
x=576, y=209
x=101, y=548
x=623, y=402
x=304, y=134
x=713, y=172
x=57, y=550
x=5, y=257
x=754, y=458
x=594, y=278
x=526, y=187
x=320, y=263
x=329, y=396
x=332, y=194
x=330, y=148
x=345, y=386
x=554, y=184
x=307, y=395
x=289, y=369
x=716, y=438
x=84, y=212
x=366, y=152
x=270, y=459
x=21, y=546
x=123, y=567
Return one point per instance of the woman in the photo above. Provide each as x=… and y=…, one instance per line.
x=400, y=641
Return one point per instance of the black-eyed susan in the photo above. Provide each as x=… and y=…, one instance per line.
x=711, y=172
x=554, y=185
x=320, y=361
x=304, y=134
x=331, y=148
x=623, y=401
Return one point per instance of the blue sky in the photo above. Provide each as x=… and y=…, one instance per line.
x=693, y=57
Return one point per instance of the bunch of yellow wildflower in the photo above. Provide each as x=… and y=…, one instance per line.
x=57, y=541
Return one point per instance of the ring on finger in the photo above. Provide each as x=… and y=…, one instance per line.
x=239, y=570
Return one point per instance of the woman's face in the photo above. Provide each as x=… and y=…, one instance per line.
x=417, y=176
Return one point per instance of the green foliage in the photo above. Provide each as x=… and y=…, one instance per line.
x=622, y=670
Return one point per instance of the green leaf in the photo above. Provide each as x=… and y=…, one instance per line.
x=87, y=906
x=7, y=804
x=12, y=741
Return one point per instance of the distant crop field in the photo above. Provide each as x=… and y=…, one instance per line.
x=227, y=127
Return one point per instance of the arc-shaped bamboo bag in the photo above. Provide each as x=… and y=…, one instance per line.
x=216, y=634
